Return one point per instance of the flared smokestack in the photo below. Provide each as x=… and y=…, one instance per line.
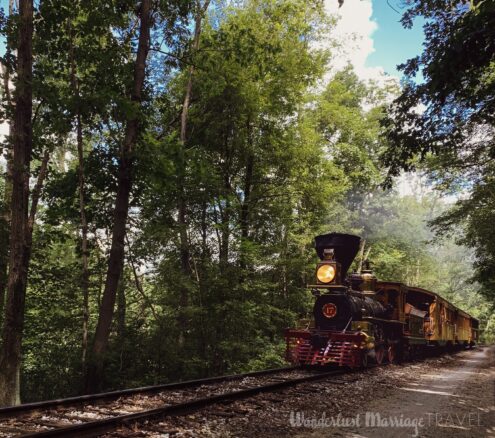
x=345, y=247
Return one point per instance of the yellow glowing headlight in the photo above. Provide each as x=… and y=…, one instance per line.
x=325, y=273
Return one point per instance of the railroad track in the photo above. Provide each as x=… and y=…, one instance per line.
x=98, y=414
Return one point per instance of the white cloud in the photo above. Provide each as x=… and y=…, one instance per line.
x=353, y=34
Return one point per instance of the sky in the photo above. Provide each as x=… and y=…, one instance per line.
x=372, y=38
x=393, y=44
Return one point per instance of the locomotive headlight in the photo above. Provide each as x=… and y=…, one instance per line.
x=325, y=273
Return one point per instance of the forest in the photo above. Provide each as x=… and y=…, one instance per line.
x=167, y=165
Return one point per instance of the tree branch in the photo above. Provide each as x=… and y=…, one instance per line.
x=36, y=194
x=139, y=286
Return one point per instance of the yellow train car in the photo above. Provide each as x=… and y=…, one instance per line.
x=444, y=324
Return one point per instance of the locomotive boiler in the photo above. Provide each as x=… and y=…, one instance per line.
x=357, y=318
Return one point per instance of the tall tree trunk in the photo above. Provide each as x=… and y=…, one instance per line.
x=283, y=257
x=36, y=194
x=245, y=206
x=181, y=202
x=10, y=355
x=225, y=227
x=115, y=262
x=82, y=210
x=5, y=216
x=204, y=231
x=224, y=210
x=121, y=314
x=84, y=244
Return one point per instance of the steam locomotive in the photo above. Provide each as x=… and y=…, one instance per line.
x=358, y=319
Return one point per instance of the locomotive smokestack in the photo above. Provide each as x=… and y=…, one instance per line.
x=344, y=247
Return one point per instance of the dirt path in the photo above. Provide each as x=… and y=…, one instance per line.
x=455, y=402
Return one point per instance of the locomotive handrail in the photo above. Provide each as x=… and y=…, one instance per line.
x=392, y=321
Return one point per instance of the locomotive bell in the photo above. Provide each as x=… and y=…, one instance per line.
x=364, y=282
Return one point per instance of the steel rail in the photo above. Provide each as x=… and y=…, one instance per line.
x=98, y=427
x=9, y=411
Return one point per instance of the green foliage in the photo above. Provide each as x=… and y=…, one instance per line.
x=53, y=324
x=351, y=132
x=453, y=107
x=271, y=159
x=471, y=222
x=446, y=121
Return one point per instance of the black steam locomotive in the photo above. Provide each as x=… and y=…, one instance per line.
x=357, y=318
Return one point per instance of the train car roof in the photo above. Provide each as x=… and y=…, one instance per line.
x=427, y=292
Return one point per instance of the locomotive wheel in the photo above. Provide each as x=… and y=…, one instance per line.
x=392, y=354
x=379, y=354
x=364, y=360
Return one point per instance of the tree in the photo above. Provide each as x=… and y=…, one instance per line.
x=256, y=181
x=20, y=239
x=82, y=211
x=124, y=185
x=7, y=67
x=200, y=10
x=348, y=114
x=446, y=122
